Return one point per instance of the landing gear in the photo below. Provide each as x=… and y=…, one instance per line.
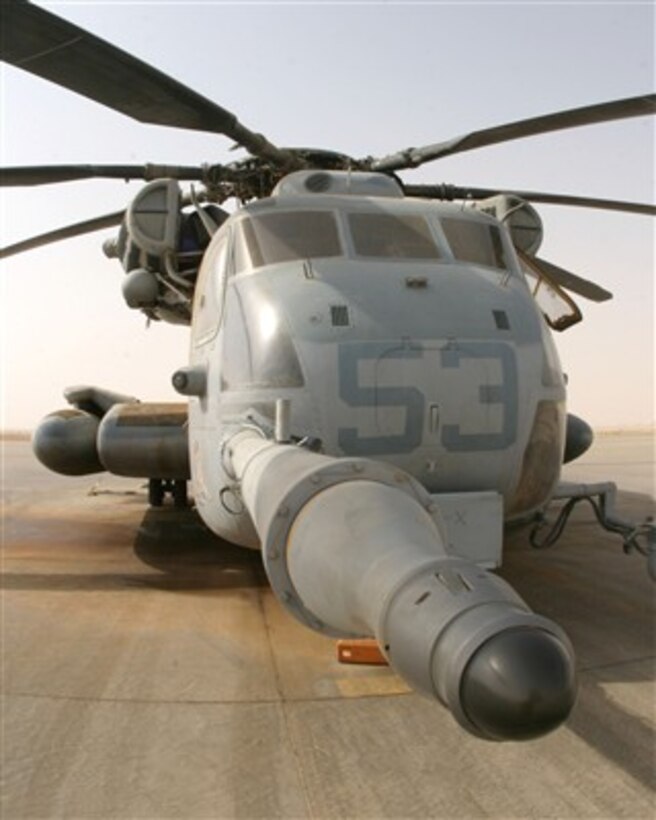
x=159, y=487
x=155, y=492
x=640, y=537
x=179, y=493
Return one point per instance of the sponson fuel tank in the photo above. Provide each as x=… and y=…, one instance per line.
x=139, y=439
x=143, y=439
x=65, y=442
x=355, y=547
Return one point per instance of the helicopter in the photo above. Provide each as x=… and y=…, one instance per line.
x=373, y=386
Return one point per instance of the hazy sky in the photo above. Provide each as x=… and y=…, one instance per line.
x=363, y=78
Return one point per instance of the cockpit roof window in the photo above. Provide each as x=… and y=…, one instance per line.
x=281, y=236
x=476, y=242
x=394, y=236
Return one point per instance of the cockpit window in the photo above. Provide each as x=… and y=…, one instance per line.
x=285, y=235
x=476, y=242
x=394, y=236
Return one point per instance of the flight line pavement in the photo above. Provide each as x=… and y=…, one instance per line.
x=148, y=672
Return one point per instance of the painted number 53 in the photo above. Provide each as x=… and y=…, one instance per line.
x=504, y=394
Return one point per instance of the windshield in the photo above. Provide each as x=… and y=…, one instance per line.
x=476, y=242
x=395, y=236
x=281, y=236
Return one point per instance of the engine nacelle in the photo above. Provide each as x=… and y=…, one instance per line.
x=520, y=217
x=160, y=247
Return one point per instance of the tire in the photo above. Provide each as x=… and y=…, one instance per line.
x=155, y=492
x=180, y=493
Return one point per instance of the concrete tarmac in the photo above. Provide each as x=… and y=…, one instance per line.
x=148, y=672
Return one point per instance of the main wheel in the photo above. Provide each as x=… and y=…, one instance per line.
x=155, y=492
x=179, y=492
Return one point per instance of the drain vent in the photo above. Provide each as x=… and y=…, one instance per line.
x=339, y=315
x=501, y=319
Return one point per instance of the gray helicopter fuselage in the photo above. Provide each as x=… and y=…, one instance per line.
x=372, y=386
x=429, y=354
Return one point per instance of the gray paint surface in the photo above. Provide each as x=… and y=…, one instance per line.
x=149, y=672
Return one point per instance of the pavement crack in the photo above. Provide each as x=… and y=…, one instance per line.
x=616, y=664
x=192, y=702
x=293, y=743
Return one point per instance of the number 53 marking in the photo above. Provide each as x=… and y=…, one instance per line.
x=505, y=393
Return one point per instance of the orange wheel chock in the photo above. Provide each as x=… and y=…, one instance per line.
x=365, y=651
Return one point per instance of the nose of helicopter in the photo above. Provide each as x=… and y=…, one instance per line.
x=519, y=685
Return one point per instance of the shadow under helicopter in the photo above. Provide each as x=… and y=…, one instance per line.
x=602, y=598
x=174, y=552
x=190, y=557
x=605, y=602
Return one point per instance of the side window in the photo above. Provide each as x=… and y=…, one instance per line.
x=210, y=292
x=476, y=242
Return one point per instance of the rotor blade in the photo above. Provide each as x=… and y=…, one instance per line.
x=79, y=228
x=589, y=115
x=450, y=192
x=47, y=174
x=568, y=280
x=588, y=202
x=39, y=42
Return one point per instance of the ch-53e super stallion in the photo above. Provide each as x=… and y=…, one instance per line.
x=373, y=386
